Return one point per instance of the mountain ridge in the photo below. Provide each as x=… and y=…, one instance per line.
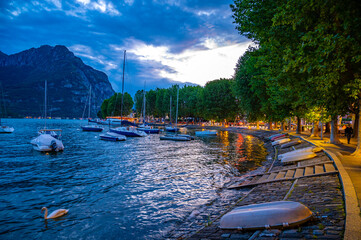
x=22, y=76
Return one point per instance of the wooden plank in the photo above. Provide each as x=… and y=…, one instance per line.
x=277, y=180
x=319, y=169
x=272, y=176
x=254, y=179
x=299, y=172
x=329, y=167
x=280, y=175
x=263, y=178
x=309, y=171
x=290, y=173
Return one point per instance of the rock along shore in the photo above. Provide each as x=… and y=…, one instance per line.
x=321, y=194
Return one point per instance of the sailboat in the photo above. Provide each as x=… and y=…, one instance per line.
x=176, y=137
x=129, y=131
x=91, y=128
x=146, y=128
x=48, y=140
x=170, y=128
x=4, y=128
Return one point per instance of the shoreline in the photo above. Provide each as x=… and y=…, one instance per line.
x=322, y=194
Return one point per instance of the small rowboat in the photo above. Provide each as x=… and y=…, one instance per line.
x=266, y=215
x=291, y=143
x=175, y=137
x=275, y=135
x=206, y=133
x=92, y=128
x=298, y=151
x=278, y=137
x=281, y=141
x=298, y=157
x=110, y=136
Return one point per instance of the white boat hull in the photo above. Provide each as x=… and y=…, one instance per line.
x=300, y=151
x=281, y=141
x=266, y=215
x=298, y=157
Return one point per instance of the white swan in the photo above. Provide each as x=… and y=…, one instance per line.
x=55, y=214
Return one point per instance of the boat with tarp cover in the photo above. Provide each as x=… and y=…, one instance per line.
x=277, y=214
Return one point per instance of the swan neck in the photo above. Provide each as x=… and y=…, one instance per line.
x=46, y=214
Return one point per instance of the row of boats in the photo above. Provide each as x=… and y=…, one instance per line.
x=49, y=140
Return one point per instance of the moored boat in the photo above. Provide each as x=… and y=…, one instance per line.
x=206, y=133
x=175, y=137
x=128, y=131
x=148, y=129
x=298, y=157
x=92, y=128
x=47, y=143
x=48, y=139
x=110, y=136
x=281, y=141
x=6, y=129
x=277, y=214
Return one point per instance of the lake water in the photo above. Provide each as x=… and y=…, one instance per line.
x=137, y=189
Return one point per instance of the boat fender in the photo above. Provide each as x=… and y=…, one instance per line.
x=53, y=145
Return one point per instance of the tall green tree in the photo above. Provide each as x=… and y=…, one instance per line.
x=219, y=100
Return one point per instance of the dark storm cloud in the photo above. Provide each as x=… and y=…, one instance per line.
x=98, y=30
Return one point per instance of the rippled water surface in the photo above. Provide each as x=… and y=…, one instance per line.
x=135, y=189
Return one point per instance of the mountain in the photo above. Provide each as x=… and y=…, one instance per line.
x=22, y=76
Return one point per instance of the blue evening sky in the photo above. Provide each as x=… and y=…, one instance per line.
x=166, y=41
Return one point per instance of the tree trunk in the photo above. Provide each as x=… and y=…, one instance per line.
x=334, y=136
x=314, y=129
x=358, y=148
x=321, y=130
x=298, y=130
x=282, y=126
x=270, y=127
x=327, y=129
x=356, y=125
x=289, y=125
x=257, y=125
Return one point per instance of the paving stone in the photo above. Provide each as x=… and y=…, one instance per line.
x=225, y=235
x=318, y=232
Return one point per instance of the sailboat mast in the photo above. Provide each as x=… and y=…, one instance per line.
x=46, y=83
x=121, y=107
x=170, y=110
x=144, y=101
x=176, y=115
x=90, y=95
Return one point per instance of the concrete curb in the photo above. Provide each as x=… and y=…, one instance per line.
x=353, y=218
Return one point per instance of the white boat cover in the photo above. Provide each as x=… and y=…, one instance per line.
x=298, y=151
x=284, y=140
x=47, y=143
x=298, y=157
x=175, y=138
x=266, y=215
x=206, y=133
x=6, y=129
x=119, y=137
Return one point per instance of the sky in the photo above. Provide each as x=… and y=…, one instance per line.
x=188, y=41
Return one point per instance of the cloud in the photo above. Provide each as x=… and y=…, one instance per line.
x=166, y=40
x=216, y=60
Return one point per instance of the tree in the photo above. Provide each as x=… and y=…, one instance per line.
x=219, y=100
